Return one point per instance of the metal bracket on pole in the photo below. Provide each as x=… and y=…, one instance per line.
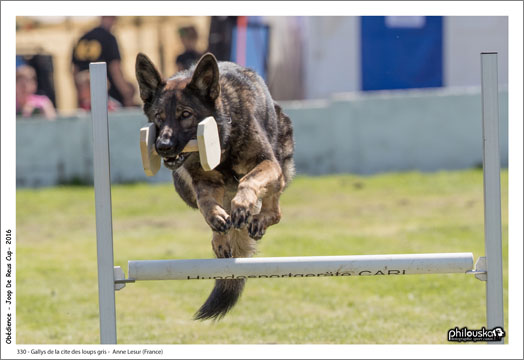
x=480, y=271
x=120, y=278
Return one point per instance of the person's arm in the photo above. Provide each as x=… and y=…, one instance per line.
x=49, y=110
x=125, y=88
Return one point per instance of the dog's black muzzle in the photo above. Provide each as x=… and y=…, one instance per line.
x=172, y=154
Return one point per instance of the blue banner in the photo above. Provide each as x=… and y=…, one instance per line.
x=401, y=52
x=256, y=47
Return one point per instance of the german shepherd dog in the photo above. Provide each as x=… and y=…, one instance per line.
x=239, y=199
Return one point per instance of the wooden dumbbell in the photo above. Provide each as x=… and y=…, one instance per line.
x=207, y=145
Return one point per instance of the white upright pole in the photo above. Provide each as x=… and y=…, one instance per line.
x=492, y=219
x=104, y=226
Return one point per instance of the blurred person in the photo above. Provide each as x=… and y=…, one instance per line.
x=188, y=37
x=97, y=45
x=27, y=102
x=83, y=84
x=220, y=36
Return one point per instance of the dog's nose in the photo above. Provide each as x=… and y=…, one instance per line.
x=164, y=146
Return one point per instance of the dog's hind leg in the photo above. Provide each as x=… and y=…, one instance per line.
x=226, y=292
x=221, y=245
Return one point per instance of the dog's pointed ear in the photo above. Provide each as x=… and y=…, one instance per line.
x=148, y=77
x=205, y=77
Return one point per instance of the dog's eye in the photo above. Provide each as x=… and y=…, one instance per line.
x=158, y=117
x=186, y=114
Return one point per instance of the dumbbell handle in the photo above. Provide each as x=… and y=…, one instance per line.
x=192, y=146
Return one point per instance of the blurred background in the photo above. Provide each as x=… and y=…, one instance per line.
x=387, y=123
x=366, y=94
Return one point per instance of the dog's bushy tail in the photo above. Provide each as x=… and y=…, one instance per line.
x=224, y=296
x=226, y=292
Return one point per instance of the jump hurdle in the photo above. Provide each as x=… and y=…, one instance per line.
x=111, y=278
x=300, y=266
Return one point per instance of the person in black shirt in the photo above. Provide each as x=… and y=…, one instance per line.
x=99, y=44
x=188, y=36
x=220, y=36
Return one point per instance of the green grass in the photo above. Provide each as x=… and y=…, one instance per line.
x=57, y=299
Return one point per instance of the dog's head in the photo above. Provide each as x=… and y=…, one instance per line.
x=178, y=104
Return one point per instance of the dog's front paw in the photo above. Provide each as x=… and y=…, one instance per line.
x=240, y=216
x=219, y=220
x=257, y=227
x=243, y=206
